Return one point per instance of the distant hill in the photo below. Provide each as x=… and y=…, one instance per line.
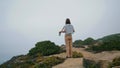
x=112, y=37
x=107, y=43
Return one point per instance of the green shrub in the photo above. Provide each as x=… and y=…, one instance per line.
x=78, y=43
x=45, y=48
x=116, y=61
x=88, y=41
x=81, y=43
x=106, y=46
x=49, y=62
x=77, y=55
x=87, y=63
x=27, y=64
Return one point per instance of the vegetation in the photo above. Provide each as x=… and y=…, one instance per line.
x=116, y=61
x=89, y=63
x=89, y=41
x=45, y=48
x=77, y=55
x=80, y=43
x=38, y=62
x=22, y=61
x=36, y=57
x=49, y=62
x=108, y=43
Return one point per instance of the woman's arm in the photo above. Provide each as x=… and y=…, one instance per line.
x=62, y=31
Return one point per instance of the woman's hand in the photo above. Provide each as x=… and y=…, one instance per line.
x=59, y=33
x=62, y=31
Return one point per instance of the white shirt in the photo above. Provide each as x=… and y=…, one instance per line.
x=68, y=28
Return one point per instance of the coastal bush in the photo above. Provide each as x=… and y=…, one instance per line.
x=78, y=43
x=45, y=48
x=83, y=43
x=116, y=61
x=87, y=63
x=77, y=55
x=89, y=41
x=49, y=62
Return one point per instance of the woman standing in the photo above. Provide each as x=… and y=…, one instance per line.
x=68, y=30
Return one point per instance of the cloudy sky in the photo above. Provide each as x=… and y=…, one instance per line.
x=25, y=22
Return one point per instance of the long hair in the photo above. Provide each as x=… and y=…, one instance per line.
x=67, y=21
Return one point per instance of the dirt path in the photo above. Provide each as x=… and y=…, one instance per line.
x=106, y=55
x=71, y=63
x=77, y=62
x=86, y=54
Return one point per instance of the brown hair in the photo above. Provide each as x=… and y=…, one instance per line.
x=67, y=21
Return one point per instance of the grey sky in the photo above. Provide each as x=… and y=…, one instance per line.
x=25, y=22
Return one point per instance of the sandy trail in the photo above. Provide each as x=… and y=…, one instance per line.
x=77, y=62
x=71, y=63
x=106, y=55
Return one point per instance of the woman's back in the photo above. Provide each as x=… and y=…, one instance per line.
x=68, y=29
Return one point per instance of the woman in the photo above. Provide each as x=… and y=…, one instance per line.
x=68, y=30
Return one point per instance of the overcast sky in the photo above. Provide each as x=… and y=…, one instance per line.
x=25, y=22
